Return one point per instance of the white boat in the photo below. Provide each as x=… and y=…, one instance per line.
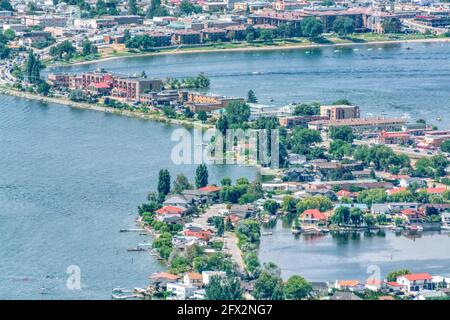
x=445, y=228
x=267, y=233
x=296, y=230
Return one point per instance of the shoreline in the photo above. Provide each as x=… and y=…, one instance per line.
x=250, y=48
x=100, y=108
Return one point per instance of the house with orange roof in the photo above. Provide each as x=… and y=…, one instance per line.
x=411, y=216
x=193, y=279
x=350, y=285
x=161, y=279
x=436, y=191
x=170, y=210
x=415, y=282
x=393, y=191
x=374, y=285
x=202, y=235
x=313, y=217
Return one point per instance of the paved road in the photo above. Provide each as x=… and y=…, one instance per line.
x=229, y=239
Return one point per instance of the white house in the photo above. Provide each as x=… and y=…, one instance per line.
x=182, y=291
x=206, y=275
x=414, y=283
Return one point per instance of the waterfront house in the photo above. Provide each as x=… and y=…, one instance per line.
x=416, y=282
x=170, y=210
x=411, y=216
x=181, y=290
x=242, y=210
x=161, y=279
x=177, y=200
x=380, y=208
x=193, y=279
x=313, y=217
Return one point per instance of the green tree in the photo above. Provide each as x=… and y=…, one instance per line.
x=9, y=34
x=306, y=109
x=269, y=286
x=181, y=183
x=271, y=206
x=445, y=146
x=6, y=5
x=297, y=288
x=344, y=133
x=225, y=181
x=391, y=25
x=236, y=113
x=201, y=176
x=311, y=27
x=356, y=216
x=266, y=35
x=202, y=116
x=223, y=289
x=341, y=215
x=164, y=182
x=132, y=7
x=251, y=97
x=392, y=276
x=344, y=26
x=88, y=48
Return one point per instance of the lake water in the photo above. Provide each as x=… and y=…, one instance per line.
x=70, y=179
x=350, y=256
x=384, y=79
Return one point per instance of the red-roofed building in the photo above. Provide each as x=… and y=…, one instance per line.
x=394, y=137
x=170, y=210
x=313, y=217
x=416, y=282
x=210, y=189
x=411, y=216
x=351, y=285
x=393, y=191
x=439, y=190
x=202, y=235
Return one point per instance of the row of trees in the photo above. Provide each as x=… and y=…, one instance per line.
x=66, y=51
x=201, y=81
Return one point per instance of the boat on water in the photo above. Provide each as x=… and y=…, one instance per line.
x=136, y=249
x=296, y=230
x=122, y=296
x=445, y=228
x=397, y=228
x=414, y=228
x=267, y=233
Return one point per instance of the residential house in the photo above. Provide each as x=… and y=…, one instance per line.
x=181, y=290
x=349, y=285
x=161, y=279
x=193, y=279
x=177, y=200
x=242, y=210
x=313, y=217
x=411, y=216
x=206, y=275
x=414, y=283
x=374, y=285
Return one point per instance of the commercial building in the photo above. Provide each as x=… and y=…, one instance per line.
x=338, y=112
x=361, y=125
x=131, y=88
x=206, y=102
x=186, y=37
x=394, y=137
x=45, y=21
